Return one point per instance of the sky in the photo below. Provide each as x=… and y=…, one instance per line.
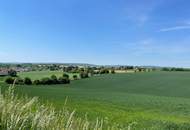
x=103, y=32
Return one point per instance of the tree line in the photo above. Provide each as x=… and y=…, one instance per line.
x=44, y=81
x=174, y=69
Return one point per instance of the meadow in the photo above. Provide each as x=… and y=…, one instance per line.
x=41, y=74
x=152, y=100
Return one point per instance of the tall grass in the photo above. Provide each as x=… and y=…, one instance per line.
x=24, y=113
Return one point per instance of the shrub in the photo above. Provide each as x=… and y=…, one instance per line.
x=84, y=75
x=75, y=77
x=54, y=79
x=112, y=71
x=68, y=81
x=46, y=81
x=27, y=81
x=19, y=81
x=36, y=82
x=66, y=76
x=9, y=80
x=104, y=71
x=12, y=73
x=43, y=81
x=63, y=80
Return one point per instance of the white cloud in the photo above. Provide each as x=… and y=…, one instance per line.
x=175, y=28
x=186, y=22
x=139, y=12
x=152, y=46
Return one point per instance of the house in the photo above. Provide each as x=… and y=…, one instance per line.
x=4, y=72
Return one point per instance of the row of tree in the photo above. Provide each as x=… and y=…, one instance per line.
x=90, y=72
x=44, y=81
x=18, y=80
x=174, y=69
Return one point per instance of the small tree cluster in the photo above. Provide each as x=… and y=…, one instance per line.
x=174, y=69
x=104, y=71
x=27, y=81
x=12, y=73
x=84, y=75
x=112, y=71
x=44, y=81
x=53, y=80
x=75, y=77
x=20, y=81
x=65, y=75
x=9, y=80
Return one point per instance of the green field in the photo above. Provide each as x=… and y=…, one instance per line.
x=41, y=74
x=152, y=100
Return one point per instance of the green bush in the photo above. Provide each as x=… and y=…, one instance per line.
x=46, y=81
x=12, y=73
x=36, y=82
x=63, y=80
x=66, y=76
x=9, y=80
x=104, y=71
x=83, y=75
x=27, y=81
x=112, y=71
x=19, y=81
x=43, y=81
x=75, y=77
x=54, y=79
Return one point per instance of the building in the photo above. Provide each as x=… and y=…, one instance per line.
x=4, y=72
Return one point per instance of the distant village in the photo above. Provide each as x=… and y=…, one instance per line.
x=73, y=68
x=76, y=68
x=5, y=71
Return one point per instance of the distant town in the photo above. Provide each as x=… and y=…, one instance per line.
x=6, y=68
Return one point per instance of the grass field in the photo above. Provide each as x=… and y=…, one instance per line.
x=156, y=100
x=41, y=74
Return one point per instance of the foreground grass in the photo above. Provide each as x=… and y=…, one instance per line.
x=27, y=113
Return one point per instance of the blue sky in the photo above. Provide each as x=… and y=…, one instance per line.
x=127, y=32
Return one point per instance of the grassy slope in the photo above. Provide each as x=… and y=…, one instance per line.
x=25, y=113
x=146, y=98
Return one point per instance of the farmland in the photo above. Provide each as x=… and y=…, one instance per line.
x=152, y=100
x=41, y=74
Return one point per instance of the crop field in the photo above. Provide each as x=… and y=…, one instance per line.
x=153, y=100
x=41, y=74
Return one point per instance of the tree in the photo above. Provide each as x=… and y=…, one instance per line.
x=113, y=71
x=104, y=71
x=36, y=82
x=66, y=76
x=19, y=81
x=53, y=67
x=165, y=69
x=46, y=81
x=12, y=73
x=9, y=80
x=75, y=77
x=27, y=81
x=54, y=79
x=84, y=75
x=63, y=80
